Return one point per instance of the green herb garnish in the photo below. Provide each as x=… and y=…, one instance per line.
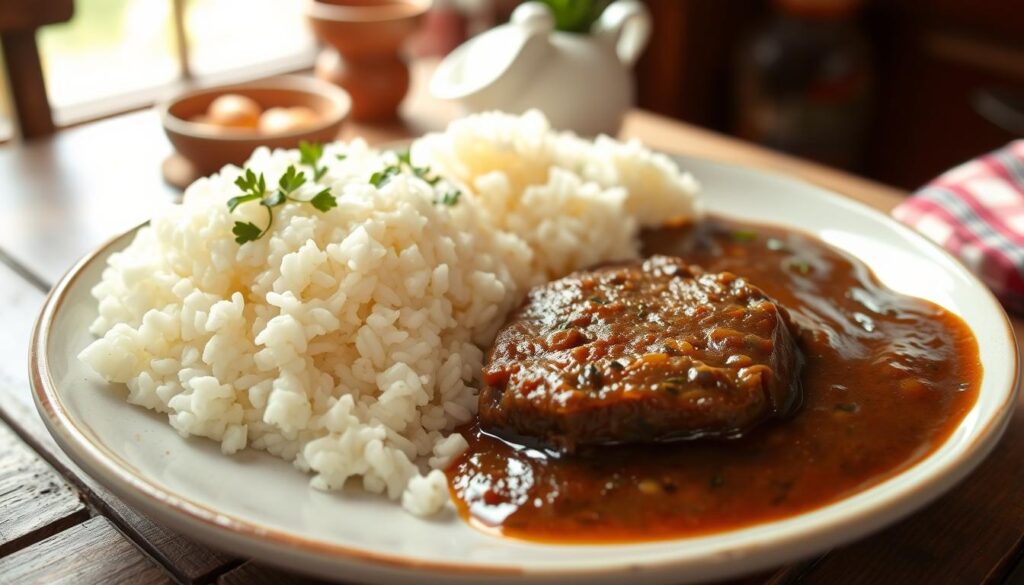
x=310, y=154
x=324, y=200
x=291, y=180
x=744, y=236
x=246, y=231
x=797, y=265
x=424, y=173
x=450, y=198
x=254, y=187
x=381, y=177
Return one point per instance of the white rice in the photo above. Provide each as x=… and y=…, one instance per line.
x=350, y=342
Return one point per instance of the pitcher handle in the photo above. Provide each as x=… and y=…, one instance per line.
x=627, y=25
x=534, y=17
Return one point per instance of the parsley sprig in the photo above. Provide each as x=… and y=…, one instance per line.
x=449, y=198
x=381, y=177
x=254, y=188
x=309, y=155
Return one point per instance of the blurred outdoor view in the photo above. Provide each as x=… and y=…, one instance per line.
x=6, y=109
x=114, y=48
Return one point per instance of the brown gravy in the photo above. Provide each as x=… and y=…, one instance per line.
x=887, y=379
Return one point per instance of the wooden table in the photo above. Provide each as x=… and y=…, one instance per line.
x=64, y=195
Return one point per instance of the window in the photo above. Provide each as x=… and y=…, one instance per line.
x=6, y=109
x=226, y=35
x=110, y=48
x=115, y=55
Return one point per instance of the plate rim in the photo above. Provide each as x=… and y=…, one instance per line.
x=228, y=530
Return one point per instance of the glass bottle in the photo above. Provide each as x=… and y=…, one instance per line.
x=804, y=82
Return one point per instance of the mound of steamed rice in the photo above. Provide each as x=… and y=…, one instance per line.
x=350, y=342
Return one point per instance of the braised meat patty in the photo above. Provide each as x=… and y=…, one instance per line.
x=648, y=351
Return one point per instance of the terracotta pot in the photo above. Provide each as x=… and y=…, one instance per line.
x=365, y=39
x=209, y=148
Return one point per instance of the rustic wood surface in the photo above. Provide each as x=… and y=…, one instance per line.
x=20, y=301
x=91, y=552
x=252, y=573
x=66, y=194
x=35, y=502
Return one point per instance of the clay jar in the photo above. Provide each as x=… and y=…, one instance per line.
x=364, y=54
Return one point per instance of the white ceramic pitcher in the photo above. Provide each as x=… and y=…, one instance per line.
x=582, y=82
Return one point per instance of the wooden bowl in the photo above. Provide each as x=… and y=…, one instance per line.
x=207, y=148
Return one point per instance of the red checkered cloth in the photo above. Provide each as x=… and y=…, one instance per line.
x=976, y=211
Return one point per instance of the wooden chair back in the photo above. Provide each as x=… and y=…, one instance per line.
x=19, y=20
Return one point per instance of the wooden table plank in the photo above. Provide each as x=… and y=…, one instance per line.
x=252, y=573
x=672, y=136
x=35, y=502
x=91, y=552
x=19, y=304
x=189, y=560
x=69, y=193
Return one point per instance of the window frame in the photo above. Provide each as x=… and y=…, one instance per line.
x=107, y=107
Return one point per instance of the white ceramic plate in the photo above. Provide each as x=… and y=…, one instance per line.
x=258, y=506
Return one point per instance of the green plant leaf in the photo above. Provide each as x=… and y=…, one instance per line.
x=324, y=200
x=246, y=231
x=240, y=199
x=291, y=180
x=450, y=198
x=381, y=177
x=310, y=153
x=576, y=16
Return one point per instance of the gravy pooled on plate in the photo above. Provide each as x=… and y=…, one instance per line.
x=886, y=378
